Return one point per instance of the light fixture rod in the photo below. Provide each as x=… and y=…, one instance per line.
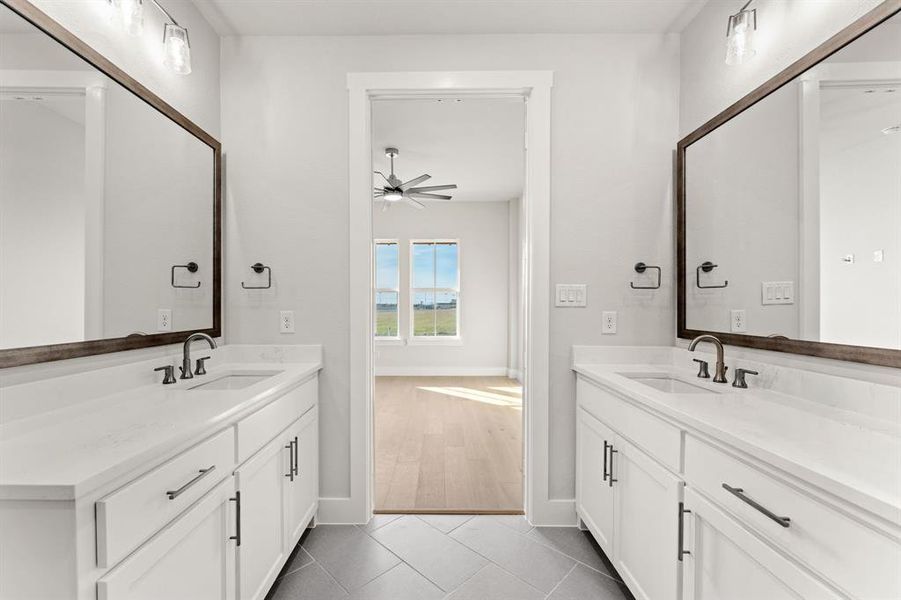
x=171, y=18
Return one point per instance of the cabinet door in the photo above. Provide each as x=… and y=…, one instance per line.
x=646, y=510
x=261, y=482
x=193, y=558
x=725, y=561
x=594, y=495
x=302, y=494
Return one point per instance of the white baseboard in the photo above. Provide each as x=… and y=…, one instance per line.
x=554, y=513
x=339, y=511
x=440, y=371
x=514, y=374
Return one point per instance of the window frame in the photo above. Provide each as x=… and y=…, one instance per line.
x=451, y=340
x=377, y=290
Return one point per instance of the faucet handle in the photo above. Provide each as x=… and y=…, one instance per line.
x=201, y=369
x=169, y=376
x=703, y=372
x=739, y=381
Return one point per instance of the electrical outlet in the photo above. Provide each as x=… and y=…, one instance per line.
x=164, y=319
x=286, y=321
x=737, y=321
x=608, y=326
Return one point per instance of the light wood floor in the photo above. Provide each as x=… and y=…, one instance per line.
x=448, y=444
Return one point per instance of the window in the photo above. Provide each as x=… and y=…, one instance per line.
x=435, y=288
x=387, y=289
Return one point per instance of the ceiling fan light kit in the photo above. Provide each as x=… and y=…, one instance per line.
x=397, y=191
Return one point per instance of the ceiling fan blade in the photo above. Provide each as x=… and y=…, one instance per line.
x=433, y=188
x=414, y=182
x=414, y=203
x=422, y=196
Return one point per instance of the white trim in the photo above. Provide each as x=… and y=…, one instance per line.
x=440, y=371
x=514, y=374
x=535, y=87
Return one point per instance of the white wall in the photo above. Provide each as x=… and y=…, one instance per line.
x=284, y=113
x=481, y=229
x=786, y=32
x=42, y=251
x=515, y=240
x=195, y=95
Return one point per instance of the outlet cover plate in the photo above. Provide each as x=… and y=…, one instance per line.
x=286, y=321
x=608, y=326
x=738, y=322
x=164, y=319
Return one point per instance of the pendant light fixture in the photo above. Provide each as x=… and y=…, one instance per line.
x=740, y=35
x=177, y=45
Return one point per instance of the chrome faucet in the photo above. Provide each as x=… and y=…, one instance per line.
x=720, y=376
x=186, y=357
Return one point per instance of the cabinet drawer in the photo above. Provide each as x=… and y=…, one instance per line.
x=853, y=556
x=655, y=436
x=136, y=511
x=256, y=430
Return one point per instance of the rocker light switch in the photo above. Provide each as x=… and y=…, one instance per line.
x=571, y=295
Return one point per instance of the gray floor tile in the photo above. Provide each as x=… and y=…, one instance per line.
x=445, y=523
x=301, y=559
x=571, y=542
x=532, y=562
x=515, y=522
x=348, y=554
x=442, y=560
x=378, y=521
x=584, y=584
x=308, y=583
x=400, y=583
x=493, y=583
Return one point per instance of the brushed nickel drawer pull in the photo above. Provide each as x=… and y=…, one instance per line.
x=290, y=449
x=682, y=512
x=173, y=494
x=606, y=446
x=740, y=494
x=296, y=456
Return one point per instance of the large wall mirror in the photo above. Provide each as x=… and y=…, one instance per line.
x=109, y=203
x=789, y=206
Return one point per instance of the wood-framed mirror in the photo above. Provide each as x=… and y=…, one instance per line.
x=110, y=203
x=788, y=206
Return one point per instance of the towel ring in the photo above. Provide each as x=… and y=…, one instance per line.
x=259, y=268
x=707, y=267
x=191, y=268
x=640, y=267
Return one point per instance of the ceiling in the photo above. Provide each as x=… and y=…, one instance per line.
x=475, y=143
x=403, y=17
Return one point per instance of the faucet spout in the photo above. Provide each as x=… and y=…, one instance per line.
x=186, y=354
x=720, y=376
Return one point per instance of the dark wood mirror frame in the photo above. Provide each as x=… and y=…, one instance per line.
x=863, y=354
x=36, y=354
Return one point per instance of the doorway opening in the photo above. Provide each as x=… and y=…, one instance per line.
x=448, y=179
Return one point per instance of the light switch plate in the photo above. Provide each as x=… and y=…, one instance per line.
x=286, y=321
x=608, y=326
x=164, y=319
x=777, y=292
x=571, y=295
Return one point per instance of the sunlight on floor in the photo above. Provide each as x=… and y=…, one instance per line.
x=515, y=390
x=478, y=395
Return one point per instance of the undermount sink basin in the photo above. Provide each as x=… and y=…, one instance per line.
x=665, y=383
x=234, y=381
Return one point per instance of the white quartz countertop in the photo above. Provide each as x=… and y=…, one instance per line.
x=67, y=453
x=834, y=449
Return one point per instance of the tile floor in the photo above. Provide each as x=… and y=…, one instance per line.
x=447, y=557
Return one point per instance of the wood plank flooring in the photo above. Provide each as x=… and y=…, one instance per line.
x=448, y=444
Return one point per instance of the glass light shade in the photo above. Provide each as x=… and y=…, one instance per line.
x=740, y=37
x=129, y=14
x=393, y=196
x=177, y=49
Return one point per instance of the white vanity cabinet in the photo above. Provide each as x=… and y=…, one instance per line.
x=628, y=502
x=194, y=557
x=682, y=514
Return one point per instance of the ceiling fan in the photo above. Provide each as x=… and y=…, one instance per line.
x=397, y=191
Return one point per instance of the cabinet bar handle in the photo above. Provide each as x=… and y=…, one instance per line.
x=606, y=445
x=296, y=457
x=290, y=473
x=612, y=452
x=237, y=536
x=740, y=494
x=173, y=494
x=682, y=512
